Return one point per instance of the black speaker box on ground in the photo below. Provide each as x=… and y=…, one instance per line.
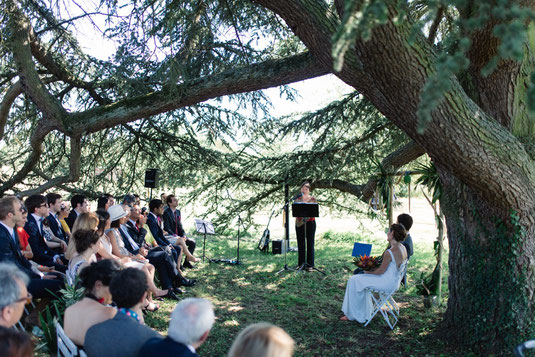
x=276, y=246
x=151, y=178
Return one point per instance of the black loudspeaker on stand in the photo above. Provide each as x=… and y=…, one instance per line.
x=151, y=178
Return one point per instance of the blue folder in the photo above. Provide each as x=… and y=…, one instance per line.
x=361, y=249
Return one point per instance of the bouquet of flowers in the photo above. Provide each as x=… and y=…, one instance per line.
x=367, y=262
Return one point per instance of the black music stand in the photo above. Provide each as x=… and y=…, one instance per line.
x=306, y=210
x=204, y=227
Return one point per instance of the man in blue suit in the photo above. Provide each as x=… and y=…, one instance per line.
x=79, y=205
x=190, y=324
x=37, y=211
x=54, y=205
x=154, y=224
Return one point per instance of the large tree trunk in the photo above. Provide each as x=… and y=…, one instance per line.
x=491, y=263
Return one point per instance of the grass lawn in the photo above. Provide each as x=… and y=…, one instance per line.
x=307, y=305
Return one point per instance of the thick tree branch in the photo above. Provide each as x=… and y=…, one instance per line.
x=12, y=93
x=32, y=85
x=399, y=158
x=74, y=172
x=29, y=164
x=47, y=60
x=391, y=163
x=245, y=79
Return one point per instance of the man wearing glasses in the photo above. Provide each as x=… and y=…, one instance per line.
x=37, y=212
x=14, y=294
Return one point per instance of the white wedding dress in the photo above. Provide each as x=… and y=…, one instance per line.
x=357, y=303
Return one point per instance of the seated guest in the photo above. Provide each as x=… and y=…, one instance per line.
x=62, y=215
x=406, y=220
x=14, y=343
x=172, y=222
x=105, y=201
x=87, y=244
x=42, y=254
x=129, y=200
x=79, y=205
x=54, y=243
x=133, y=227
x=163, y=197
x=190, y=324
x=13, y=295
x=41, y=285
x=92, y=309
x=262, y=340
x=126, y=333
x=155, y=226
x=25, y=247
x=54, y=205
x=86, y=221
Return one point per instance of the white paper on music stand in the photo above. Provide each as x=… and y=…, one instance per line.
x=200, y=226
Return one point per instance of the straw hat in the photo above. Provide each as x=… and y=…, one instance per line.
x=116, y=212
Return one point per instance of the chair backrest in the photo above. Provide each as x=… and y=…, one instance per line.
x=66, y=347
x=401, y=273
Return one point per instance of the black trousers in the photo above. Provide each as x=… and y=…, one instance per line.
x=190, y=244
x=305, y=245
x=165, y=264
x=42, y=288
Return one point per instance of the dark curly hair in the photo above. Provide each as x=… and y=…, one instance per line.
x=127, y=287
x=103, y=271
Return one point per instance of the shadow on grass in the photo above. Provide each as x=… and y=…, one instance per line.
x=306, y=305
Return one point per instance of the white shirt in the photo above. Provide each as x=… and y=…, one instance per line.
x=191, y=348
x=38, y=219
x=132, y=242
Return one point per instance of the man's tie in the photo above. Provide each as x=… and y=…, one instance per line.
x=41, y=225
x=176, y=223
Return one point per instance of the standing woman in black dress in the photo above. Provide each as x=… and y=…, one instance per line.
x=305, y=245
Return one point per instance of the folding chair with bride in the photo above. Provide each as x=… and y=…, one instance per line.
x=383, y=301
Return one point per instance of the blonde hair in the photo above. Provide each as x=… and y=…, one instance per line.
x=86, y=221
x=262, y=340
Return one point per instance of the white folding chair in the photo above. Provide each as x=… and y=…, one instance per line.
x=66, y=347
x=383, y=301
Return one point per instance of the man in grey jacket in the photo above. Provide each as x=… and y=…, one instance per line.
x=126, y=333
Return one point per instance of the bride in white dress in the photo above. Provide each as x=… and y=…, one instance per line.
x=357, y=305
